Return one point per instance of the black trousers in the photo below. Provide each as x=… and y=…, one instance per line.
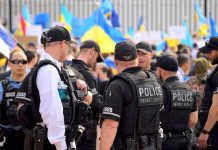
x=176, y=143
x=213, y=137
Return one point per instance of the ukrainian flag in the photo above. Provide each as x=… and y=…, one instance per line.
x=106, y=7
x=188, y=38
x=213, y=30
x=201, y=21
x=140, y=26
x=96, y=28
x=66, y=18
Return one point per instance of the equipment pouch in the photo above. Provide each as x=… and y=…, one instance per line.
x=39, y=134
x=146, y=143
x=130, y=144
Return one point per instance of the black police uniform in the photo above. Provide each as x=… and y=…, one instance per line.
x=137, y=113
x=9, y=125
x=211, y=87
x=178, y=104
x=88, y=139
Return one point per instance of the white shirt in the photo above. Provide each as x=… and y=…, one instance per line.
x=51, y=108
x=180, y=74
x=194, y=53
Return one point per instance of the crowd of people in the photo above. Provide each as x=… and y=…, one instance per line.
x=68, y=98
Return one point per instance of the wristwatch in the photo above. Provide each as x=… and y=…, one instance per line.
x=204, y=131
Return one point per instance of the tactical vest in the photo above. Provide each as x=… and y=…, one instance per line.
x=147, y=100
x=29, y=95
x=210, y=86
x=176, y=118
x=8, y=105
x=153, y=75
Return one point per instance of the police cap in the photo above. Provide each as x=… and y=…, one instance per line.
x=144, y=47
x=125, y=51
x=56, y=33
x=93, y=44
x=210, y=45
x=167, y=62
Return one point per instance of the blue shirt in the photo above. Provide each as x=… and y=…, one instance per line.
x=12, y=82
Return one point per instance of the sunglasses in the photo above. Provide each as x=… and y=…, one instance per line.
x=207, y=43
x=71, y=47
x=18, y=61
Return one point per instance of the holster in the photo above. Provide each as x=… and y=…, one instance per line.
x=28, y=143
x=147, y=142
x=39, y=137
x=130, y=144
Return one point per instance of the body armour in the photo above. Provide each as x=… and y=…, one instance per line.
x=210, y=86
x=147, y=99
x=8, y=105
x=176, y=117
x=28, y=94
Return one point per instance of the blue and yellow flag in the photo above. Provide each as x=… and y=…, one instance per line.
x=66, y=18
x=115, y=18
x=140, y=26
x=213, y=30
x=106, y=7
x=188, y=38
x=201, y=20
x=96, y=28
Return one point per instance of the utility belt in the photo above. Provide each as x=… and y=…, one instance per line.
x=144, y=142
x=175, y=134
x=10, y=133
x=36, y=139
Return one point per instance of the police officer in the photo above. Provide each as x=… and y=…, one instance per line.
x=11, y=135
x=209, y=106
x=131, y=105
x=145, y=55
x=49, y=84
x=180, y=112
x=88, y=56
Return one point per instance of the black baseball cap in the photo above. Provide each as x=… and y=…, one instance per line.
x=125, y=51
x=56, y=33
x=167, y=62
x=210, y=45
x=93, y=44
x=144, y=47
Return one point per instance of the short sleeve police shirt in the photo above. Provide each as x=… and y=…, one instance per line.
x=215, y=82
x=118, y=94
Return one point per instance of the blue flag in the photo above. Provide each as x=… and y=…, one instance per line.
x=42, y=19
x=213, y=31
x=188, y=38
x=115, y=19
